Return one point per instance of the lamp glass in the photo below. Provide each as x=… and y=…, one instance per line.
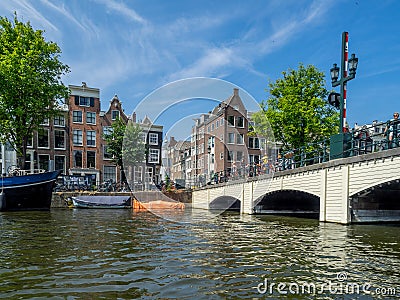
x=353, y=62
x=334, y=72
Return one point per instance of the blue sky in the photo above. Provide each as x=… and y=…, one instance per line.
x=132, y=48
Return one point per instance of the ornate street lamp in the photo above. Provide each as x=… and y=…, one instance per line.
x=350, y=64
x=340, y=143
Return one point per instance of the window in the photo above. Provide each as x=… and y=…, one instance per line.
x=43, y=161
x=149, y=175
x=239, y=156
x=30, y=142
x=230, y=155
x=254, y=143
x=77, y=137
x=59, y=139
x=231, y=138
x=106, y=155
x=84, y=101
x=144, y=137
x=240, y=122
x=59, y=163
x=239, y=139
x=45, y=122
x=43, y=139
x=153, y=138
x=231, y=120
x=109, y=172
x=107, y=130
x=91, y=138
x=217, y=124
x=77, y=116
x=212, y=127
x=222, y=121
x=59, y=121
x=254, y=158
x=90, y=117
x=114, y=114
x=77, y=158
x=137, y=174
x=153, y=155
x=91, y=159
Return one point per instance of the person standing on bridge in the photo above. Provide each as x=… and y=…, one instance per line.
x=392, y=129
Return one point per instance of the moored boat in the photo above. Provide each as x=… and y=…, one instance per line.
x=101, y=201
x=27, y=191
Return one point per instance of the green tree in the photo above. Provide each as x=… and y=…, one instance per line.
x=114, y=139
x=125, y=144
x=297, y=109
x=30, y=83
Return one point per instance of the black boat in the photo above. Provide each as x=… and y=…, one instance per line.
x=27, y=192
x=101, y=201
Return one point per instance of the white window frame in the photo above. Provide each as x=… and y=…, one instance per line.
x=239, y=139
x=112, y=114
x=73, y=117
x=48, y=140
x=153, y=138
x=114, y=173
x=61, y=119
x=104, y=153
x=239, y=118
x=79, y=137
x=87, y=118
x=231, y=141
x=152, y=153
x=65, y=162
x=93, y=136
x=55, y=146
x=38, y=158
x=87, y=160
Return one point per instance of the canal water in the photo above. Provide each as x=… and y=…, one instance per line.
x=120, y=254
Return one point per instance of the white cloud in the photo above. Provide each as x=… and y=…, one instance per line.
x=26, y=12
x=124, y=10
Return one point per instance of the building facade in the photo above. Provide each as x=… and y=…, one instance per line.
x=221, y=143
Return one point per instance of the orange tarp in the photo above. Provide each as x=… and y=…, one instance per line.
x=157, y=204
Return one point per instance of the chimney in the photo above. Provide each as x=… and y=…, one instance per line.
x=236, y=92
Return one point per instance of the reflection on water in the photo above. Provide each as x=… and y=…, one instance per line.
x=109, y=254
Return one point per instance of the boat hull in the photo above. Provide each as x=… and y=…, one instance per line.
x=101, y=202
x=30, y=192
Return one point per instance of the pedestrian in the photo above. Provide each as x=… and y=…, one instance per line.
x=391, y=130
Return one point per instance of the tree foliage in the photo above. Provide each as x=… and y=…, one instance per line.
x=114, y=139
x=297, y=109
x=125, y=144
x=30, y=82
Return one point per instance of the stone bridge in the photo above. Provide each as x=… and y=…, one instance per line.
x=364, y=188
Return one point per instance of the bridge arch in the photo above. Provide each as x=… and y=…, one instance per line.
x=225, y=203
x=376, y=202
x=289, y=202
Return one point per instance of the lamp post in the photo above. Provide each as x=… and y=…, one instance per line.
x=340, y=143
x=346, y=65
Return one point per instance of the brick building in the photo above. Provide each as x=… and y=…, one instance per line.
x=221, y=142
